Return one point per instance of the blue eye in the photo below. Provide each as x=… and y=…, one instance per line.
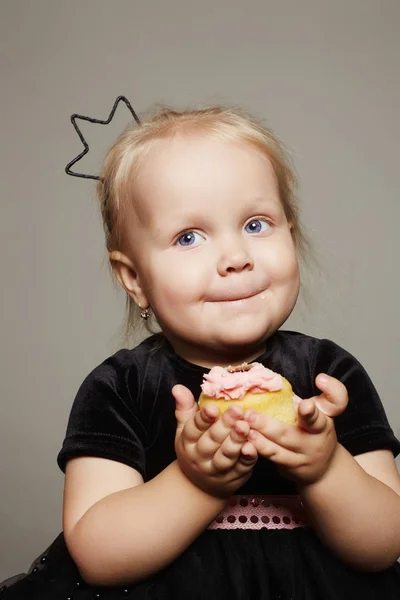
x=190, y=238
x=257, y=226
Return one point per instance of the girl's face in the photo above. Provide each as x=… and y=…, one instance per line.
x=211, y=249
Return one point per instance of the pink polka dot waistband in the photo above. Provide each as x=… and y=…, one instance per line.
x=261, y=512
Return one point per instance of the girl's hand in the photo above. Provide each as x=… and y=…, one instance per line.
x=212, y=452
x=304, y=451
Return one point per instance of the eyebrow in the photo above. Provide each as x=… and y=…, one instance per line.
x=271, y=200
x=260, y=205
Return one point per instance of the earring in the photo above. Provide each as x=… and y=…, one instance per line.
x=145, y=313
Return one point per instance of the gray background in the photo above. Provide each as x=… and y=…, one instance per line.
x=324, y=73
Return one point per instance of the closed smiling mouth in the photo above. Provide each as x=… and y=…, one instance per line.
x=235, y=297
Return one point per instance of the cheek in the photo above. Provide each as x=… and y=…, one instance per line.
x=282, y=264
x=293, y=277
x=293, y=267
x=168, y=286
x=186, y=275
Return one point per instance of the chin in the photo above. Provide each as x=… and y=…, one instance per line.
x=243, y=337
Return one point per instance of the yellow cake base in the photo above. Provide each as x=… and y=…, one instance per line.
x=278, y=405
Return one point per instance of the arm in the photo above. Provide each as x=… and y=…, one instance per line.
x=120, y=530
x=355, y=508
x=131, y=533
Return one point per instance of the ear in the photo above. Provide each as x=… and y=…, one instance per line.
x=292, y=229
x=128, y=277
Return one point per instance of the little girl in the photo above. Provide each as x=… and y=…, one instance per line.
x=166, y=501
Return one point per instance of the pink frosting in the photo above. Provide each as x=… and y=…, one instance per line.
x=222, y=384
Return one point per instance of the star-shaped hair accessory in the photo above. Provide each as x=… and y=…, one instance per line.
x=84, y=142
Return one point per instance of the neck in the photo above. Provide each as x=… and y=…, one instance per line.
x=223, y=357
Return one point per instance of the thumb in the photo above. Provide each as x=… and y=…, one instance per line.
x=311, y=419
x=334, y=398
x=185, y=405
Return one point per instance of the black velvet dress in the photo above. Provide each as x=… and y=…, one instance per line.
x=124, y=411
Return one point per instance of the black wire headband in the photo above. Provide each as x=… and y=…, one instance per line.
x=84, y=142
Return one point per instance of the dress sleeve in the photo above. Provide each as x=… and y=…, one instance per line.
x=363, y=426
x=103, y=421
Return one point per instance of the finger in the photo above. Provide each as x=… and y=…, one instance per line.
x=246, y=464
x=185, y=405
x=310, y=417
x=217, y=432
x=273, y=451
x=200, y=423
x=283, y=434
x=230, y=449
x=334, y=398
x=206, y=415
x=248, y=453
x=296, y=401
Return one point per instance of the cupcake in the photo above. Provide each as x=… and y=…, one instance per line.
x=250, y=386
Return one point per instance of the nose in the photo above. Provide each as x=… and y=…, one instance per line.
x=234, y=258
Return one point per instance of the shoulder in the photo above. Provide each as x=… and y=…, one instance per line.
x=317, y=349
x=122, y=376
x=300, y=358
x=120, y=364
x=106, y=415
x=363, y=426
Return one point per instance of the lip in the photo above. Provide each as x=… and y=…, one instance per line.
x=237, y=298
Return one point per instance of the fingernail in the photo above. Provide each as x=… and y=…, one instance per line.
x=252, y=435
x=240, y=430
x=252, y=418
x=323, y=378
x=247, y=456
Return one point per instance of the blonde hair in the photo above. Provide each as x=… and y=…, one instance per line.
x=122, y=165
